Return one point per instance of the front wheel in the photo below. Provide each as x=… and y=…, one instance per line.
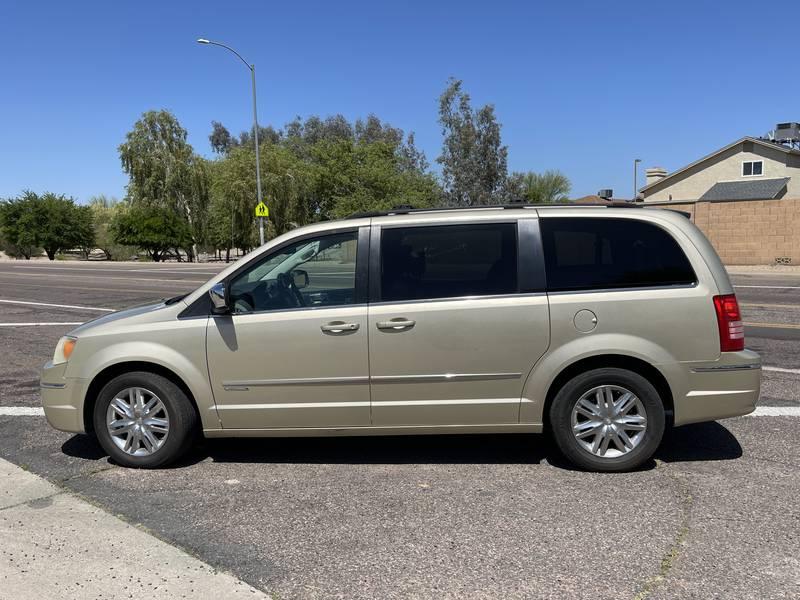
x=607, y=419
x=144, y=420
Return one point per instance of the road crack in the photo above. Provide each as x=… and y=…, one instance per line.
x=672, y=554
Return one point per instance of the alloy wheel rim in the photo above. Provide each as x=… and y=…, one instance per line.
x=609, y=421
x=137, y=421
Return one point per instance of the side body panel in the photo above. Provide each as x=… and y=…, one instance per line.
x=464, y=360
x=462, y=363
x=157, y=337
x=279, y=369
x=674, y=329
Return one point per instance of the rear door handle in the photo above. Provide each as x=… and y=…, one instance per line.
x=396, y=324
x=339, y=327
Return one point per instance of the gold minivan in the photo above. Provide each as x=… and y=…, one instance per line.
x=602, y=325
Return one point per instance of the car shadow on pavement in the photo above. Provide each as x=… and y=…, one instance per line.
x=701, y=442
x=83, y=446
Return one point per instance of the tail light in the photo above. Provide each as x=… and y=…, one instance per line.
x=729, y=319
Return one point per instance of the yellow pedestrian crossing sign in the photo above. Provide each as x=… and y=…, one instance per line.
x=262, y=210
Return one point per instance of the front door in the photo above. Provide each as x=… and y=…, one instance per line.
x=453, y=335
x=293, y=352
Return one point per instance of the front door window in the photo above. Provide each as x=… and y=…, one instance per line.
x=311, y=273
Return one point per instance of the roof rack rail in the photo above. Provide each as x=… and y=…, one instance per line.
x=405, y=209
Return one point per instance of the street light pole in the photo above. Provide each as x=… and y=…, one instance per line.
x=252, y=68
x=258, y=161
x=636, y=162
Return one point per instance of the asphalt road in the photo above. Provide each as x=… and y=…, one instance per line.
x=715, y=516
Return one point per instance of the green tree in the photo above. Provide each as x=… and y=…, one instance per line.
x=231, y=216
x=63, y=225
x=165, y=172
x=104, y=210
x=473, y=159
x=550, y=186
x=50, y=221
x=220, y=138
x=312, y=170
x=18, y=226
x=366, y=177
x=154, y=229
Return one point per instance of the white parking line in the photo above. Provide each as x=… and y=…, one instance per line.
x=767, y=305
x=40, y=324
x=776, y=411
x=770, y=287
x=781, y=370
x=27, y=303
x=21, y=411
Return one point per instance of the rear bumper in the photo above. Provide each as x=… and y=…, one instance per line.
x=725, y=388
x=62, y=398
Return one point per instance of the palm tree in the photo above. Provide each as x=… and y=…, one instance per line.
x=550, y=186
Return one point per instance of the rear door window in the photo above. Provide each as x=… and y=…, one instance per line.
x=598, y=253
x=448, y=261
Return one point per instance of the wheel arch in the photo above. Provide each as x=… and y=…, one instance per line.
x=120, y=368
x=620, y=361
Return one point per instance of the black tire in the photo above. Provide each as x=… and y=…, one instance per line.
x=183, y=419
x=560, y=416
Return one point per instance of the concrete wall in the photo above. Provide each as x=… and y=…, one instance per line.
x=749, y=232
x=727, y=166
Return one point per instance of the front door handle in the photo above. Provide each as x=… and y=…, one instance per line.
x=339, y=327
x=396, y=324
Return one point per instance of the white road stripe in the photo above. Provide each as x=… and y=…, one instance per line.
x=21, y=411
x=27, y=303
x=83, y=277
x=770, y=287
x=781, y=370
x=174, y=271
x=776, y=411
x=101, y=270
x=40, y=324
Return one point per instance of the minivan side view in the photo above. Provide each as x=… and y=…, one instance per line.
x=601, y=325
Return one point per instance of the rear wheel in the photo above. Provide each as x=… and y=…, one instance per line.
x=607, y=419
x=144, y=420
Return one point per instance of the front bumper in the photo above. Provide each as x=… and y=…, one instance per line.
x=725, y=388
x=62, y=398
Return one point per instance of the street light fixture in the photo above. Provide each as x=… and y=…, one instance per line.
x=252, y=68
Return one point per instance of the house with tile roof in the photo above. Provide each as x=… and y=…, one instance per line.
x=748, y=169
x=745, y=197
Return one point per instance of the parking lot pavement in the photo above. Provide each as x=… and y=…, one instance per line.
x=488, y=516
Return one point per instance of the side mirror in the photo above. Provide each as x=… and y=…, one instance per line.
x=219, y=300
x=300, y=278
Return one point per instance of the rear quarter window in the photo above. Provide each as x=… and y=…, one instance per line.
x=602, y=253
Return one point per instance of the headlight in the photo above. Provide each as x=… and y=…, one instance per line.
x=64, y=349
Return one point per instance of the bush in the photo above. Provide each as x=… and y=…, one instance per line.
x=155, y=230
x=51, y=222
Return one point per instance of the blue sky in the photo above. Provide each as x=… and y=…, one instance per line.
x=584, y=87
